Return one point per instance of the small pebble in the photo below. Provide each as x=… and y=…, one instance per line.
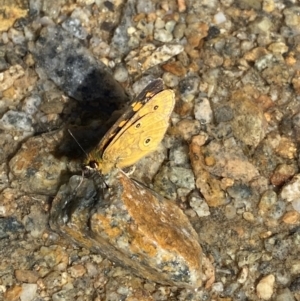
x=267, y=201
x=179, y=30
x=170, y=79
x=219, y=18
x=92, y=269
x=178, y=154
x=162, y=35
x=248, y=216
x=26, y=276
x=265, y=287
x=230, y=211
x=296, y=205
x=188, y=128
x=77, y=270
x=243, y=275
x=121, y=74
x=291, y=217
x=248, y=124
x=16, y=36
x=73, y=25
x=28, y=292
x=199, y=205
x=291, y=191
x=218, y=287
x=203, y=111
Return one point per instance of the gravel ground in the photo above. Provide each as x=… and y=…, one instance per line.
x=229, y=160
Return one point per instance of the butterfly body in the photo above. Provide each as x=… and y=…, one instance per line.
x=137, y=132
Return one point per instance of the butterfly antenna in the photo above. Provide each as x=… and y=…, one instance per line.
x=77, y=142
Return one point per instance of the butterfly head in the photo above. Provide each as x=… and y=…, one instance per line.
x=92, y=164
x=94, y=161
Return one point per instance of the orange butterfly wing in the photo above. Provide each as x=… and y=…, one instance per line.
x=142, y=135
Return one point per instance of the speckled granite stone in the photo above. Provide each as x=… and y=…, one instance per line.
x=131, y=225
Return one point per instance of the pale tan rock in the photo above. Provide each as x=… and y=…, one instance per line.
x=175, y=68
x=265, y=287
x=286, y=148
x=181, y=5
x=149, y=56
x=278, y=48
x=268, y=5
x=8, y=77
x=291, y=217
x=291, y=191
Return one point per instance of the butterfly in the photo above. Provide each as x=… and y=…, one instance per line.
x=137, y=132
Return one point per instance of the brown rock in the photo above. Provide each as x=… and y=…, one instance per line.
x=26, y=276
x=175, y=68
x=184, y=108
x=195, y=32
x=193, y=53
x=255, y=54
x=264, y=101
x=282, y=174
x=13, y=293
x=132, y=226
x=188, y=128
x=77, y=270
